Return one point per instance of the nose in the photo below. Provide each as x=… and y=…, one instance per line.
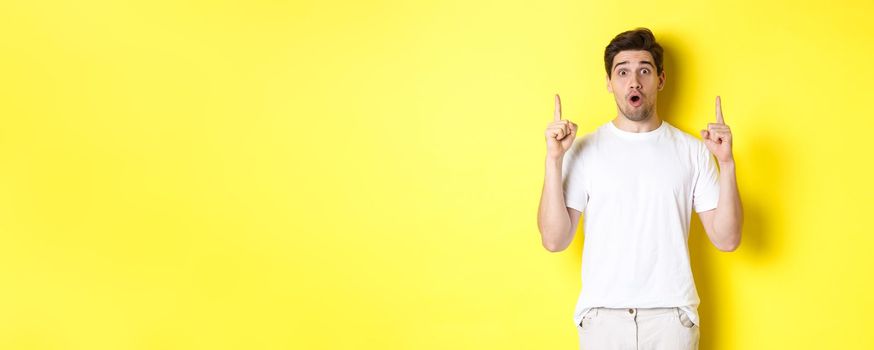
x=635, y=84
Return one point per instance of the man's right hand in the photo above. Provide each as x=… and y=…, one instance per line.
x=560, y=134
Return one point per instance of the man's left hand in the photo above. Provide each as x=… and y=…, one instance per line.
x=717, y=137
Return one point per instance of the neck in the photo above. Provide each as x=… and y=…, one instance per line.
x=625, y=124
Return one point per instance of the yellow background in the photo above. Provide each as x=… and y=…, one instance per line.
x=365, y=175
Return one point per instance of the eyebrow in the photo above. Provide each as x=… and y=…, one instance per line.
x=625, y=62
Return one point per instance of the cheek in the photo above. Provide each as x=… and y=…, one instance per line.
x=617, y=84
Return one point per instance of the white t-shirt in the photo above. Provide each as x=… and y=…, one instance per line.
x=637, y=192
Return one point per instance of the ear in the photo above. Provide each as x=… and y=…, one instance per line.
x=662, y=78
x=609, y=87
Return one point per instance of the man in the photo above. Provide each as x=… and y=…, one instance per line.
x=637, y=179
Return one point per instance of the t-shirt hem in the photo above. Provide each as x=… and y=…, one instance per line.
x=705, y=208
x=575, y=205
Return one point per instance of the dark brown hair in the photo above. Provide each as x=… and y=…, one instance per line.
x=637, y=39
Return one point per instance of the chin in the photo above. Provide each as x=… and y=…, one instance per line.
x=637, y=117
x=640, y=115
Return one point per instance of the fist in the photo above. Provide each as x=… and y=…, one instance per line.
x=560, y=134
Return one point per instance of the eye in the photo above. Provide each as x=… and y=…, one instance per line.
x=645, y=71
x=621, y=72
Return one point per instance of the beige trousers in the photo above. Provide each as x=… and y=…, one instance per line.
x=666, y=328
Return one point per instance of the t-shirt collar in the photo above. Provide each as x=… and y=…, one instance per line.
x=638, y=135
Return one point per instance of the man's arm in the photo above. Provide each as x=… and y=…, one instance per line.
x=723, y=224
x=556, y=222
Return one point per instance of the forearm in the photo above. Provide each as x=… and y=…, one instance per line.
x=728, y=219
x=552, y=217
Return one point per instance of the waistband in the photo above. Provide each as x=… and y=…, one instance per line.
x=635, y=312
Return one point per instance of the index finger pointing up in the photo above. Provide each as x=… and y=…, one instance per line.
x=719, y=111
x=557, y=113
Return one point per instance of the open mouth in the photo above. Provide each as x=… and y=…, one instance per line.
x=635, y=100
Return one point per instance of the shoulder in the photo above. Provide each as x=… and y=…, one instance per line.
x=588, y=142
x=583, y=149
x=691, y=142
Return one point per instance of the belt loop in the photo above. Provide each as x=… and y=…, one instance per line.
x=596, y=311
x=678, y=310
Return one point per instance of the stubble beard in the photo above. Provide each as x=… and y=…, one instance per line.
x=638, y=115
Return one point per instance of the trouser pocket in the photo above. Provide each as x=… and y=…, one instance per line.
x=684, y=319
x=588, y=318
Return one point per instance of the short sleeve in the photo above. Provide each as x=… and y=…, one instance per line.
x=706, y=192
x=576, y=195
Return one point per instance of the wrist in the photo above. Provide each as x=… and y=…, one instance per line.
x=554, y=161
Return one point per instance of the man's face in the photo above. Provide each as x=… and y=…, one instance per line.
x=635, y=84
